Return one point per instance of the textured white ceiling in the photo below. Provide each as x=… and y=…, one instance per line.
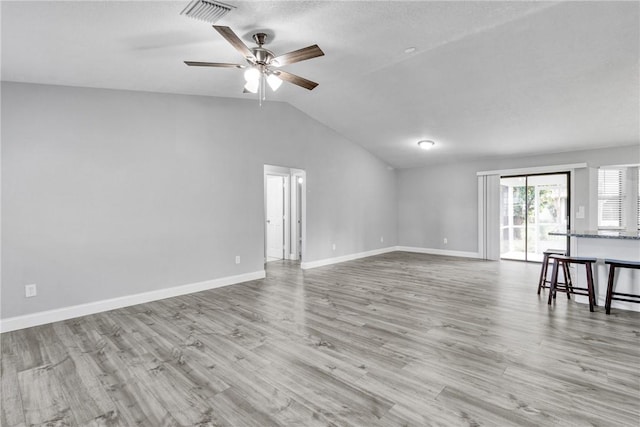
x=486, y=79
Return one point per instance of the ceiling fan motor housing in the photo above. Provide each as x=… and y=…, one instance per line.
x=263, y=56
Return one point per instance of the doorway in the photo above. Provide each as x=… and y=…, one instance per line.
x=530, y=207
x=284, y=209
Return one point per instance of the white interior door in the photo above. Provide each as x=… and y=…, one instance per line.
x=275, y=217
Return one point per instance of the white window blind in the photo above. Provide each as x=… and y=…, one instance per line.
x=611, y=198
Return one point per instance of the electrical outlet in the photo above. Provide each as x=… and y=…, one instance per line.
x=381, y=239
x=237, y=259
x=333, y=246
x=445, y=241
x=30, y=290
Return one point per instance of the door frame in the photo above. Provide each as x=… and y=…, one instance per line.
x=298, y=213
x=294, y=239
x=526, y=221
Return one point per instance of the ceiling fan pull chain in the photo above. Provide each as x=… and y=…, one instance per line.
x=261, y=90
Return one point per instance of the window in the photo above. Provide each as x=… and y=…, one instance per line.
x=610, y=198
x=619, y=197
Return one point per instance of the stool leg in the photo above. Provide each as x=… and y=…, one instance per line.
x=554, y=281
x=607, y=303
x=543, y=272
x=592, y=294
x=567, y=279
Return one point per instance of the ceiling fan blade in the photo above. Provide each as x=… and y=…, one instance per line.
x=212, y=64
x=298, y=55
x=235, y=41
x=296, y=80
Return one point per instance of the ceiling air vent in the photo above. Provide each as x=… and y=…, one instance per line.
x=206, y=10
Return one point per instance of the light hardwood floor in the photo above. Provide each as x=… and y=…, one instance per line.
x=392, y=340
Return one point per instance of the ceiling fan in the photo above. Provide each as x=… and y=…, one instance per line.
x=263, y=64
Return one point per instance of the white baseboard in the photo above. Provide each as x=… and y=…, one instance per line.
x=622, y=305
x=350, y=257
x=50, y=316
x=444, y=252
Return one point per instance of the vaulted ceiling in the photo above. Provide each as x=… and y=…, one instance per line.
x=486, y=79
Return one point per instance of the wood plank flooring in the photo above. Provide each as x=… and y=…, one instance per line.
x=398, y=339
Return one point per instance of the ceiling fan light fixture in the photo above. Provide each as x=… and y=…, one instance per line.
x=252, y=86
x=274, y=81
x=426, y=144
x=252, y=75
x=206, y=10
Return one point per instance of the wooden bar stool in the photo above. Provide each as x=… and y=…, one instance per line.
x=618, y=296
x=542, y=283
x=569, y=288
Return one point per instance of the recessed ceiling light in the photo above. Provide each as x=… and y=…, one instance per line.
x=410, y=50
x=425, y=144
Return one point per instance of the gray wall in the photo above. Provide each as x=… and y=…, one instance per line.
x=110, y=193
x=442, y=201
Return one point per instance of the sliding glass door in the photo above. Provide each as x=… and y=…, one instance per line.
x=530, y=207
